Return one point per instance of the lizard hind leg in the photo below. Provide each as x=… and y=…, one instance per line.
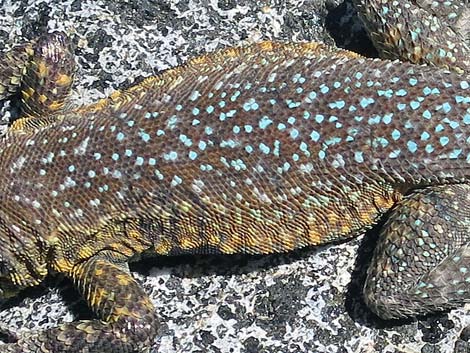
x=422, y=260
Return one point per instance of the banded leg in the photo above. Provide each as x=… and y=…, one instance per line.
x=127, y=318
x=47, y=80
x=422, y=260
x=43, y=71
x=421, y=32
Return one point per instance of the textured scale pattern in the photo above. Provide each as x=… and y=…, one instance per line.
x=257, y=149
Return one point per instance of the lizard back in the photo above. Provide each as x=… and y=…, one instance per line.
x=258, y=149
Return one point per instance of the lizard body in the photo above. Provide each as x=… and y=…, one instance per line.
x=259, y=149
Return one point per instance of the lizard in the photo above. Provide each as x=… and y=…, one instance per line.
x=258, y=149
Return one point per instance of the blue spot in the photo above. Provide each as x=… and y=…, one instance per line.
x=265, y=122
x=291, y=120
x=195, y=111
x=358, y=75
x=185, y=140
x=462, y=99
x=228, y=143
x=194, y=95
x=231, y=113
x=452, y=123
x=464, y=84
x=192, y=155
x=425, y=135
x=413, y=81
x=222, y=104
x=128, y=152
x=178, y=107
x=139, y=161
x=439, y=128
x=234, y=96
x=366, y=101
x=306, y=115
x=446, y=107
x=319, y=118
x=382, y=141
x=71, y=168
x=401, y=106
x=152, y=161
x=120, y=136
x=374, y=120
x=117, y=174
x=396, y=134
x=427, y=114
x=281, y=126
x=466, y=118
x=338, y=104
x=296, y=78
x=97, y=155
x=292, y=104
x=414, y=105
x=158, y=174
x=250, y=105
x=315, y=136
x=386, y=93
x=172, y=156
x=264, y=148
x=171, y=122
x=429, y=148
x=444, y=140
x=202, y=145
x=387, y=118
x=311, y=96
x=210, y=109
x=394, y=154
x=294, y=133
x=144, y=136
x=412, y=146
x=455, y=153
x=176, y=181
x=358, y=156
x=324, y=89
x=236, y=129
x=130, y=123
x=208, y=130
x=160, y=132
x=115, y=156
x=401, y=92
x=249, y=149
x=248, y=128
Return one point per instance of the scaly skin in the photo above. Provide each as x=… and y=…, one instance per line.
x=260, y=149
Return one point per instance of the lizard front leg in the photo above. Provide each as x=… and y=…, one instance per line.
x=127, y=320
